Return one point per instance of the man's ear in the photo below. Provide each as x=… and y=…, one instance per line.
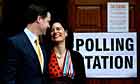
x=39, y=19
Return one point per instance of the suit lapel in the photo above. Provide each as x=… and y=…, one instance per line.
x=29, y=50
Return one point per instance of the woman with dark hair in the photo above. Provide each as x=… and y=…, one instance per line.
x=65, y=66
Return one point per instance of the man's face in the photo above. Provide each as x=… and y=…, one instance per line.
x=45, y=23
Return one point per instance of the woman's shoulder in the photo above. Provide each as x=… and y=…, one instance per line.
x=76, y=54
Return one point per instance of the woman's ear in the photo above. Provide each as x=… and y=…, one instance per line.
x=66, y=33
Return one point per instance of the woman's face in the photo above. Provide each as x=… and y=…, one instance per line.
x=58, y=34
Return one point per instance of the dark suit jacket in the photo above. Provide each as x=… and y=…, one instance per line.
x=23, y=64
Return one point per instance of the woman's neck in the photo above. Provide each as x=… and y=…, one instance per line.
x=60, y=48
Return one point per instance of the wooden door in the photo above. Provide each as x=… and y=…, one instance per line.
x=91, y=16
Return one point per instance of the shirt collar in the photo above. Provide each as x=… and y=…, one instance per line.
x=30, y=35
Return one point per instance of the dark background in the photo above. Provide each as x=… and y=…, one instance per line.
x=13, y=21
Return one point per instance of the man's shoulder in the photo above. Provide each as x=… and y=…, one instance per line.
x=17, y=36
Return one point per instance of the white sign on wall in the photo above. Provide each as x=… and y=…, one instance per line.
x=118, y=17
x=108, y=55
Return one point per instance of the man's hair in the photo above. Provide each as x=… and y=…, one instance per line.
x=33, y=11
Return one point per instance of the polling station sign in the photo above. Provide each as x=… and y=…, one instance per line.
x=108, y=55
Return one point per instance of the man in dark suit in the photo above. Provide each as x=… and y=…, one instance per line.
x=26, y=61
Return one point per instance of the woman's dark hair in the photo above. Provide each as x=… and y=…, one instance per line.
x=33, y=11
x=70, y=37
